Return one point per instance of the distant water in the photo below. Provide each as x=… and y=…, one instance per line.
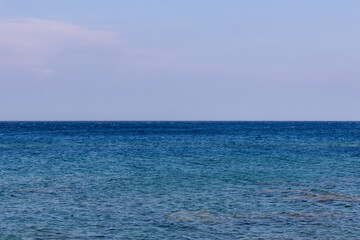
x=179, y=180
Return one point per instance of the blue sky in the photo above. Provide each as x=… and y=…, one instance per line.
x=179, y=60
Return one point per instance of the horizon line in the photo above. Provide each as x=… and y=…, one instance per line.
x=179, y=121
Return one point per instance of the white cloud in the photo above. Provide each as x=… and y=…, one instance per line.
x=45, y=72
x=29, y=44
x=29, y=48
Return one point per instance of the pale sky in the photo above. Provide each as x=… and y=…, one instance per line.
x=179, y=60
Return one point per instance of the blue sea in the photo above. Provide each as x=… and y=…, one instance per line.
x=179, y=180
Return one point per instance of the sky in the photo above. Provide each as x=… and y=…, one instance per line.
x=275, y=60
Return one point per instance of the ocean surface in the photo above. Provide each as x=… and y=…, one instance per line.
x=179, y=180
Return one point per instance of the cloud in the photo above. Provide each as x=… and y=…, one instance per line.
x=45, y=72
x=29, y=44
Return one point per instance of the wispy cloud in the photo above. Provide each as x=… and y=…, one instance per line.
x=28, y=44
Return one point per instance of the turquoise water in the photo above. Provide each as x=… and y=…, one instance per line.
x=179, y=180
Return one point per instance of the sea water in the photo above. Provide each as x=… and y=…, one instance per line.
x=179, y=180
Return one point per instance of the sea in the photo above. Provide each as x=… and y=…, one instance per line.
x=179, y=180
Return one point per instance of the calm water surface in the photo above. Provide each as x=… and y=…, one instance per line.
x=179, y=180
